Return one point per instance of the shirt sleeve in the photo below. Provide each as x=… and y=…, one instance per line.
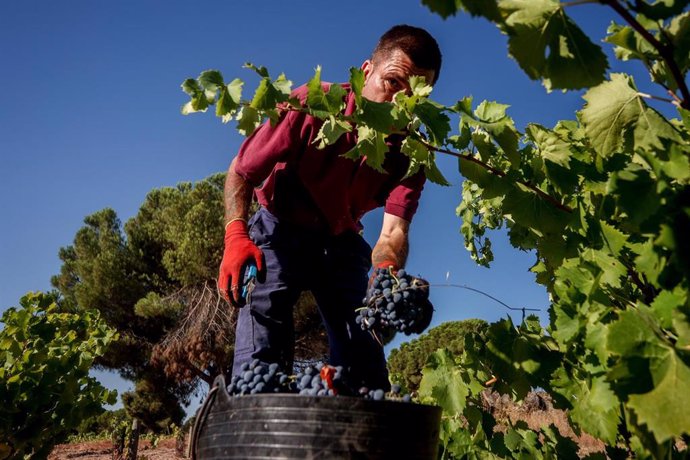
x=404, y=198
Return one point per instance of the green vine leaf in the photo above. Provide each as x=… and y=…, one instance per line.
x=261, y=71
x=357, y=83
x=435, y=120
x=594, y=397
x=370, y=144
x=547, y=44
x=198, y=101
x=433, y=173
x=616, y=118
x=491, y=118
x=446, y=8
x=672, y=392
x=630, y=44
x=270, y=93
x=636, y=193
x=525, y=206
x=660, y=9
x=377, y=115
x=552, y=147
x=443, y=384
x=248, y=119
x=211, y=81
x=679, y=35
x=666, y=304
x=417, y=152
x=329, y=102
x=330, y=131
x=229, y=100
x=443, y=8
x=191, y=87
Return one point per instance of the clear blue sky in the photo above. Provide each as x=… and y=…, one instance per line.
x=89, y=118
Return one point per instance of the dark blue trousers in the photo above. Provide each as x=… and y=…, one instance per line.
x=335, y=269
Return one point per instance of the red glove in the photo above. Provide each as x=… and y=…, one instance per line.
x=239, y=251
x=387, y=264
x=379, y=267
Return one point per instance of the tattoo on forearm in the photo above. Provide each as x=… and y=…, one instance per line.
x=237, y=195
x=386, y=253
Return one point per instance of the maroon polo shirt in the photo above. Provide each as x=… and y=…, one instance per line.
x=318, y=188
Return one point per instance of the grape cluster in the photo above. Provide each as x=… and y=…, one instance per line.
x=259, y=378
x=319, y=380
x=396, y=301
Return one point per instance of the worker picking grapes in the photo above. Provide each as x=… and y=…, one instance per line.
x=306, y=234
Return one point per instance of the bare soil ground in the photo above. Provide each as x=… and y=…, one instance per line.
x=103, y=450
x=537, y=411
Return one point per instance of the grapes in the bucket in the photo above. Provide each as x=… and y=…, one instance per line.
x=259, y=378
x=319, y=380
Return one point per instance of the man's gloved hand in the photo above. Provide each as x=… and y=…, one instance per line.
x=239, y=252
x=387, y=264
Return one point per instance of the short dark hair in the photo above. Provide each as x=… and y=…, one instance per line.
x=415, y=42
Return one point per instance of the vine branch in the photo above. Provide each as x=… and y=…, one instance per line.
x=674, y=101
x=489, y=168
x=499, y=173
x=578, y=2
x=665, y=50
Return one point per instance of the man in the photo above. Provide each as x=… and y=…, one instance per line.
x=306, y=235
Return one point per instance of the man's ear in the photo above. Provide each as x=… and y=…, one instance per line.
x=367, y=67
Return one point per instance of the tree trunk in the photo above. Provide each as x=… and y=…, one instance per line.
x=133, y=441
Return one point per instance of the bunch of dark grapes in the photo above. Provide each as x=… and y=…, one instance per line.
x=396, y=301
x=259, y=378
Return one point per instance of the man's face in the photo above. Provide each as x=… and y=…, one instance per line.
x=388, y=76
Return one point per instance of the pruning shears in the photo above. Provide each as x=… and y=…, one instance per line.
x=248, y=284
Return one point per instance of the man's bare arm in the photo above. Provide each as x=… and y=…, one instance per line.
x=237, y=194
x=393, y=245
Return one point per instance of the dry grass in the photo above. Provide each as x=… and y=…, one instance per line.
x=103, y=450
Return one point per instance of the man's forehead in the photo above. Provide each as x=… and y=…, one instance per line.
x=399, y=62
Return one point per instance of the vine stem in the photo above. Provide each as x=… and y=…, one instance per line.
x=658, y=98
x=665, y=50
x=489, y=168
x=499, y=173
x=578, y=2
x=676, y=100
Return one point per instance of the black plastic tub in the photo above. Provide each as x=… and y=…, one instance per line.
x=288, y=426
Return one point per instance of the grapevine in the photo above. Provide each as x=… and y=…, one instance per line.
x=46, y=353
